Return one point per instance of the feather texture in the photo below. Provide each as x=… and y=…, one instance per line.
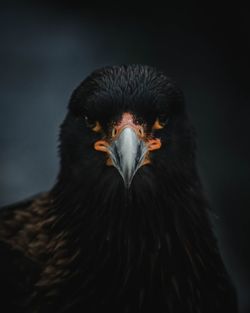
x=93, y=244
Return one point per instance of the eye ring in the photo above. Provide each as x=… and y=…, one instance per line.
x=94, y=125
x=160, y=122
x=163, y=119
x=89, y=123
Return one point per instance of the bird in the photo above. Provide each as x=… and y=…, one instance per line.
x=127, y=226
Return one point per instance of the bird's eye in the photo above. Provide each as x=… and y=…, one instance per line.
x=163, y=120
x=160, y=122
x=94, y=125
x=139, y=121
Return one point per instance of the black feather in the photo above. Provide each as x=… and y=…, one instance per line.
x=99, y=246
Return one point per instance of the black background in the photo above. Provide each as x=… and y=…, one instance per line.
x=47, y=49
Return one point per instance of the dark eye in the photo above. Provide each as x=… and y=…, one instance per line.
x=139, y=121
x=89, y=123
x=94, y=125
x=160, y=122
x=163, y=119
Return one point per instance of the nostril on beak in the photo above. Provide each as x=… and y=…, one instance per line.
x=114, y=132
x=141, y=131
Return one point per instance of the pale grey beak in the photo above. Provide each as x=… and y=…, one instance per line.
x=127, y=153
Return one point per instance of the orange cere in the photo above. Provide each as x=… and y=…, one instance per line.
x=127, y=120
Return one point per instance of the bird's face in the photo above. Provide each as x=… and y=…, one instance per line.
x=121, y=121
x=128, y=144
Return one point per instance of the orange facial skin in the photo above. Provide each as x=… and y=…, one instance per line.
x=127, y=120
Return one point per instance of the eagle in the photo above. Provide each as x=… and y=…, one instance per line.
x=126, y=227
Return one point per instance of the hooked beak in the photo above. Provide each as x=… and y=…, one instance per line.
x=128, y=154
x=129, y=148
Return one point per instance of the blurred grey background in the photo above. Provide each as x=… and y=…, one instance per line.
x=48, y=49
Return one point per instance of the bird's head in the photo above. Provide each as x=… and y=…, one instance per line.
x=124, y=125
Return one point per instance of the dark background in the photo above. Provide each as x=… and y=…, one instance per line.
x=47, y=49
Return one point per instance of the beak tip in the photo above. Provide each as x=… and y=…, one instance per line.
x=128, y=153
x=127, y=182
